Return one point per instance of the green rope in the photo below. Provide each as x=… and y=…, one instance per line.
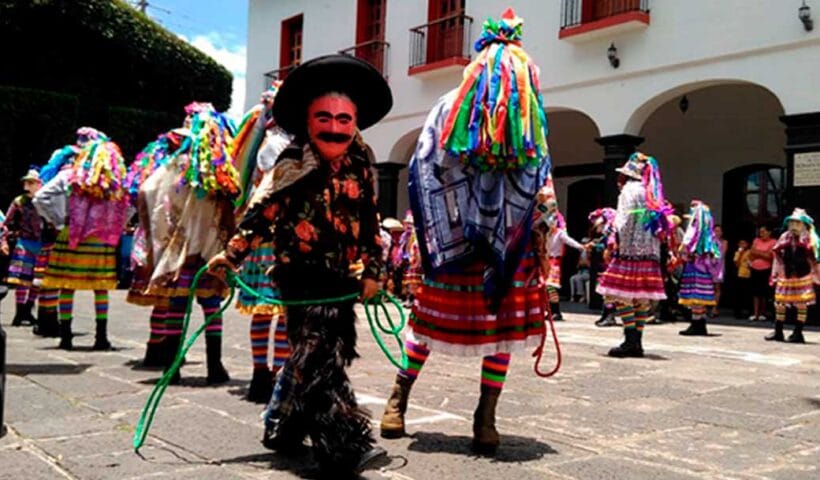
x=375, y=304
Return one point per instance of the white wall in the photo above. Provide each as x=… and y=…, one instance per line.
x=689, y=45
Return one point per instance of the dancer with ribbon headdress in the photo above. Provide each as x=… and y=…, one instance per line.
x=603, y=247
x=186, y=210
x=794, y=273
x=633, y=278
x=480, y=160
x=155, y=155
x=87, y=202
x=700, y=251
x=258, y=143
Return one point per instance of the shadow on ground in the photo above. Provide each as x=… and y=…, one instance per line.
x=513, y=448
x=24, y=369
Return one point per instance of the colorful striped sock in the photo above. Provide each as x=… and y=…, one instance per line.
x=33, y=293
x=175, y=315
x=416, y=356
x=260, y=335
x=642, y=314
x=48, y=300
x=698, y=312
x=494, y=370
x=281, y=347
x=802, y=313
x=21, y=295
x=210, y=306
x=66, y=304
x=101, y=305
x=157, y=322
x=627, y=315
x=779, y=313
x=552, y=294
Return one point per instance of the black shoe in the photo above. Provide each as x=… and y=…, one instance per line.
x=607, y=321
x=216, y=372
x=170, y=347
x=696, y=327
x=371, y=459
x=154, y=354
x=66, y=336
x=631, y=347
x=777, y=335
x=19, y=315
x=555, y=308
x=47, y=324
x=101, y=342
x=29, y=317
x=797, y=334
x=261, y=386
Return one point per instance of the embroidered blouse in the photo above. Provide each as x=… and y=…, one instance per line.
x=317, y=213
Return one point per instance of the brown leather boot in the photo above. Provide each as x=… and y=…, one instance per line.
x=485, y=436
x=392, y=425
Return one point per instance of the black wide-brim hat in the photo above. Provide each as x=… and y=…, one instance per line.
x=348, y=75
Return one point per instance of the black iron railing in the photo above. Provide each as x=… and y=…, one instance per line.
x=278, y=74
x=375, y=52
x=441, y=39
x=573, y=12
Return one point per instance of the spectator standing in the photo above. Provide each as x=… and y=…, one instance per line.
x=760, y=257
x=744, y=277
x=723, y=246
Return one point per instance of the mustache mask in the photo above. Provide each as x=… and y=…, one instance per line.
x=334, y=137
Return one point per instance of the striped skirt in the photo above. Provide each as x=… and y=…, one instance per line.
x=450, y=313
x=628, y=280
x=794, y=292
x=254, y=272
x=180, y=285
x=92, y=265
x=554, y=277
x=23, y=260
x=697, y=287
x=41, y=264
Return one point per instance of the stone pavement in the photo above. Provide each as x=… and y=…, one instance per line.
x=726, y=406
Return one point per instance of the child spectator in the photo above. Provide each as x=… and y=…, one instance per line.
x=744, y=277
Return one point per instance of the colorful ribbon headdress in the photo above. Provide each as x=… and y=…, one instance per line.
x=99, y=170
x=700, y=238
x=497, y=121
x=209, y=168
x=153, y=156
x=59, y=159
x=656, y=216
x=249, y=137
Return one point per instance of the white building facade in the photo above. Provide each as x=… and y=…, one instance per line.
x=723, y=93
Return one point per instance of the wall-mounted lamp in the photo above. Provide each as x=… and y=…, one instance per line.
x=612, y=55
x=684, y=104
x=804, y=14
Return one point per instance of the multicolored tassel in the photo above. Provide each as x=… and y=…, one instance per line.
x=99, y=170
x=209, y=168
x=59, y=159
x=153, y=156
x=658, y=210
x=497, y=121
x=700, y=238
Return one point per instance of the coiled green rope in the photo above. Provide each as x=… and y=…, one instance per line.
x=376, y=304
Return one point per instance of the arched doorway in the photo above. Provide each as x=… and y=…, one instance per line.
x=723, y=144
x=583, y=196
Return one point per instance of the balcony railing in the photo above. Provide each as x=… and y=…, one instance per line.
x=278, y=74
x=573, y=12
x=443, y=39
x=375, y=52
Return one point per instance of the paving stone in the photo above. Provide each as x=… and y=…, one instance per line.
x=608, y=468
x=16, y=464
x=50, y=427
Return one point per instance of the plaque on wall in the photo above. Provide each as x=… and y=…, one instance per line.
x=807, y=169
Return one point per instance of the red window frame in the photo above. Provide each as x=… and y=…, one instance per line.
x=290, y=45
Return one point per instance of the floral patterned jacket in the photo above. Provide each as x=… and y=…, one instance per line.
x=319, y=215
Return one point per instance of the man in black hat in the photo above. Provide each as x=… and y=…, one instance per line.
x=318, y=206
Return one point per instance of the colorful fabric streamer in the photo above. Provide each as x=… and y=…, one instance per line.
x=700, y=239
x=99, y=171
x=498, y=121
x=153, y=156
x=59, y=159
x=606, y=218
x=656, y=216
x=208, y=168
